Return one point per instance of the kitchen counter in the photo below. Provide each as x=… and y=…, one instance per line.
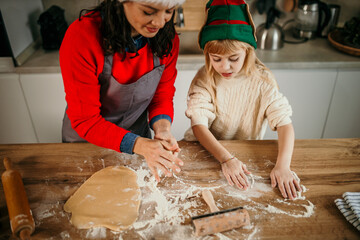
x=314, y=54
x=327, y=168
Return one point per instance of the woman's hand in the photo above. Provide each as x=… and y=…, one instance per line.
x=157, y=156
x=234, y=171
x=168, y=140
x=163, y=133
x=286, y=181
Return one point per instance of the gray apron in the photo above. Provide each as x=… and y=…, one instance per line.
x=122, y=104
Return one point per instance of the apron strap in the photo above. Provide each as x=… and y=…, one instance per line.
x=156, y=61
x=106, y=73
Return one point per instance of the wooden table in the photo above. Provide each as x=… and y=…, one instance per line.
x=327, y=168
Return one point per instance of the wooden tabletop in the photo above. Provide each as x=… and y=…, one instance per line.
x=327, y=168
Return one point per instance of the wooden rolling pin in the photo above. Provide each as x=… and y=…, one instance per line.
x=219, y=221
x=21, y=220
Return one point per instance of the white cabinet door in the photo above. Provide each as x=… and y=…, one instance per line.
x=45, y=96
x=181, y=123
x=309, y=93
x=344, y=114
x=46, y=100
x=15, y=121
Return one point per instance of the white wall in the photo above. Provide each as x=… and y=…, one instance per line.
x=72, y=8
x=20, y=17
x=180, y=122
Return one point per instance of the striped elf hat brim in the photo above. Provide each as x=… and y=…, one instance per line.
x=167, y=3
x=227, y=19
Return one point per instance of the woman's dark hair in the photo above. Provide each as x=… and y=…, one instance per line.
x=116, y=31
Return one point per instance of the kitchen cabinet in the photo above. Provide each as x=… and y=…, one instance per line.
x=325, y=104
x=344, y=115
x=46, y=101
x=15, y=121
x=45, y=97
x=309, y=93
x=181, y=123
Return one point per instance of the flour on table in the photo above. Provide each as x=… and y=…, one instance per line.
x=167, y=207
x=170, y=206
x=96, y=233
x=65, y=235
x=109, y=198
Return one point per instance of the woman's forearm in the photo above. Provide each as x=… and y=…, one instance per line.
x=161, y=125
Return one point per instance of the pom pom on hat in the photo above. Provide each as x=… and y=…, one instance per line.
x=227, y=19
x=168, y=3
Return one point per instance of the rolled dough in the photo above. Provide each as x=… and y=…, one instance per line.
x=109, y=198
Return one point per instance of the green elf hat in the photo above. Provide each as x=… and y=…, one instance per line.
x=228, y=19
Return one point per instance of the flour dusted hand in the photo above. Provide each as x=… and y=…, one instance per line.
x=157, y=156
x=235, y=172
x=162, y=130
x=168, y=141
x=286, y=181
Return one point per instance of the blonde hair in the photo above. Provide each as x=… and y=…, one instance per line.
x=252, y=65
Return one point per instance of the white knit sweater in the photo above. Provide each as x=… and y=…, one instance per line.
x=244, y=105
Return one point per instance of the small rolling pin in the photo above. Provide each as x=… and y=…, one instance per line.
x=219, y=221
x=21, y=220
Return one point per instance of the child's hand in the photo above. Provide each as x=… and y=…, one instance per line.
x=286, y=181
x=234, y=171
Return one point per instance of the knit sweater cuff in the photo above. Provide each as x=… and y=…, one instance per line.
x=199, y=120
x=283, y=122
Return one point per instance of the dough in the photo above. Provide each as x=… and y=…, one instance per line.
x=109, y=198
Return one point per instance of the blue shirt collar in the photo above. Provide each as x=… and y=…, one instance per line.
x=139, y=41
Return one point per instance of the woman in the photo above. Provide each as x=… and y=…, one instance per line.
x=118, y=63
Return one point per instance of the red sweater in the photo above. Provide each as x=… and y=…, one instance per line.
x=82, y=61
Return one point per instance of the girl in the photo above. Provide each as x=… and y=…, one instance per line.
x=118, y=66
x=234, y=96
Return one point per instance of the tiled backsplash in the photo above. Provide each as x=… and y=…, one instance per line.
x=349, y=8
